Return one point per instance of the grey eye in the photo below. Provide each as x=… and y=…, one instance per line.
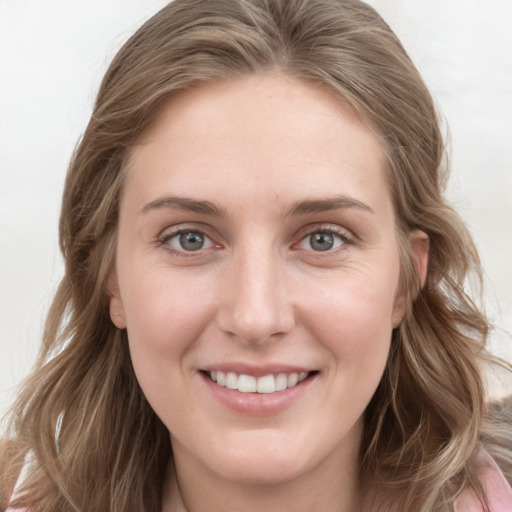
x=321, y=241
x=186, y=241
x=191, y=241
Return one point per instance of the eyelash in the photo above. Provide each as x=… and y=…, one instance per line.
x=342, y=234
x=163, y=240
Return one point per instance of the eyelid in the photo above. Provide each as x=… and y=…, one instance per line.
x=346, y=235
x=170, y=232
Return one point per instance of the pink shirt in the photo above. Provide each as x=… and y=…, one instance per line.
x=496, y=486
x=498, y=490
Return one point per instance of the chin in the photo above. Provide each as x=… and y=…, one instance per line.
x=262, y=460
x=255, y=471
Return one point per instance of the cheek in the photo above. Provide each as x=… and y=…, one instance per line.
x=353, y=318
x=163, y=307
x=165, y=316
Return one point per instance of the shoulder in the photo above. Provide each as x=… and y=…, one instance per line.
x=497, y=435
x=494, y=484
x=15, y=495
x=12, y=509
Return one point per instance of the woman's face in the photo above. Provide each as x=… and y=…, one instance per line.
x=257, y=276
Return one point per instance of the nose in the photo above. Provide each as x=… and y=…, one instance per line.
x=254, y=300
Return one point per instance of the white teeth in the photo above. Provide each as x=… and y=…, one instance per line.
x=281, y=382
x=231, y=380
x=266, y=384
x=221, y=378
x=293, y=378
x=247, y=384
x=250, y=384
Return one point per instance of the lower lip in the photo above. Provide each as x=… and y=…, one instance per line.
x=258, y=404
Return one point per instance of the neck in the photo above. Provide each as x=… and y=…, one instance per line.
x=332, y=486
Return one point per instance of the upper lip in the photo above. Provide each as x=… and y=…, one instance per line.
x=256, y=371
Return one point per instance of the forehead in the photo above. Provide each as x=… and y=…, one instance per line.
x=258, y=134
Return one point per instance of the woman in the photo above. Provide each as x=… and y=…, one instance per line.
x=263, y=303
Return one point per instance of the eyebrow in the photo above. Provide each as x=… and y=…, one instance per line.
x=324, y=205
x=186, y=204
x=304, y=207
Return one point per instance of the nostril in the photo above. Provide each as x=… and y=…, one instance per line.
x=254, y=328
x=252, y=304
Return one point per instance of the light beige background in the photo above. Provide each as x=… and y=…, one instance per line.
x=53, y=54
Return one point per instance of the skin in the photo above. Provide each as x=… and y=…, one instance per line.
x=259, y=293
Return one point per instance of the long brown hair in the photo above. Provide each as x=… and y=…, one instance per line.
x=81, y=424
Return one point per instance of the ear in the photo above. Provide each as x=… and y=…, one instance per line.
x=419, y=247
x=115, y=303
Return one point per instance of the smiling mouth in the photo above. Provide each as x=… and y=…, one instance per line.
x=265, y=384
